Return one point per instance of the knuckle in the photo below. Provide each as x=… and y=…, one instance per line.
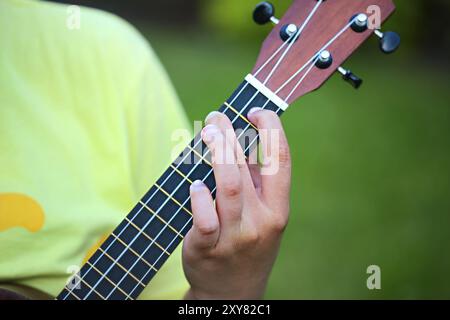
x=250, y=238
x=272, y=114
x=232, y=188
x=222, y=253
x=278, y=224
x=269, y=118
x=221, y=120
x=208, y=229
x=224, y=119
x=284, y=154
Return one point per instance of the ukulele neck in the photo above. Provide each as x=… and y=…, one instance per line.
x=134, y=252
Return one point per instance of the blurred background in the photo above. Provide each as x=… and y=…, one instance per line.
x=371, y=178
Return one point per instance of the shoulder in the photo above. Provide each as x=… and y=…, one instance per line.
x=92, y=35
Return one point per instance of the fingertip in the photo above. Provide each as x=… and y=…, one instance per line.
x=211, y=116
x=264, y=118
x=252, y=113
x=209, y=132
x=197, y=185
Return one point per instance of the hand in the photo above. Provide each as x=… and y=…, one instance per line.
x=231, y=248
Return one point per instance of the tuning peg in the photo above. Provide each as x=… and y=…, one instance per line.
x=360, y=22
x=324, y=60
x=265, y=12
x=351, y=78
x=389, y=41
x=288, y=31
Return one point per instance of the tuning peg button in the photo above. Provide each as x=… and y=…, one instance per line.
x=360, y=23
x=288, y=31
x=389, y=41
x=350, y=77
x=324, y=60
x=264, y=13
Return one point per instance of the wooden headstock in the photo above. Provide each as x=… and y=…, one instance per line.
x=330, y=21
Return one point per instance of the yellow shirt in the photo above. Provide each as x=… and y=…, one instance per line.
x=86, y=117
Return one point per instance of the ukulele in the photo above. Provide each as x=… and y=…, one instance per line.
x=303, y=50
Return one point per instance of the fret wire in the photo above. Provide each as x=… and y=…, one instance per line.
x=162, y=220
x=79, y=279
x=98, y=293
x=199, y=155
x=246, y=105
x=240, y=115
x=212, y=191
x=146, y=235
x=109, y=280
x=72, y=293
x=181, y=173
x=172, y=198
x=115, y=262
x=134, y=252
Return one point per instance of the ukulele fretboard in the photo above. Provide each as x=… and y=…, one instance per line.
x=135, y=251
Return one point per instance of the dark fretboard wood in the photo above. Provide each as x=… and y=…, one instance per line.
x=130, y=257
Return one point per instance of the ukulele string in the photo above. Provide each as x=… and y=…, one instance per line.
x=272, y=56
x=301, y=79
x=291, y=43
x=316, y=55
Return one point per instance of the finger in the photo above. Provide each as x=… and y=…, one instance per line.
x=254, y=169
x=276, y=168
x=227, y=176
x=205, y=229
x=225, y=125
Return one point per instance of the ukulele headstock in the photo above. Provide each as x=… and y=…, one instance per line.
x=312, y=40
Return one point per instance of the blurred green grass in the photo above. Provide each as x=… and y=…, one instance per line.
x=371, y=169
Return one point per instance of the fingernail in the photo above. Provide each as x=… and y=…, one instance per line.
x=253, y=110
x=197, y=185
x=209, y=132
x=211, y=115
